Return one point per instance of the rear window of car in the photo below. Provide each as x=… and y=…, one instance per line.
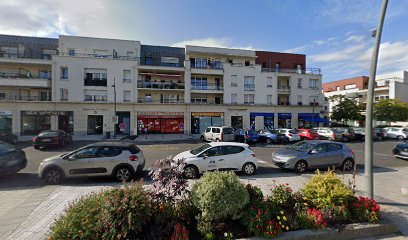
x=134, y=149
x=293, y=131
x=228, y=131
x=216, y=130
x=48, y=134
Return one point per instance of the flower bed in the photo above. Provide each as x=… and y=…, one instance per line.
x=217, y=207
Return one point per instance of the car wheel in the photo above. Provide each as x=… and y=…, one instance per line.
x=268, y=141
x=123, y=174
x=348, y=164
x=202, y=139
x=190, y=171
x=344, y=139
x=53, y=176
x=329, y=138
x=248, y=168
x=400, y=137
x=301, y=166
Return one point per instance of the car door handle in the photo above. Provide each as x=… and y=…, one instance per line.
x=221, y=159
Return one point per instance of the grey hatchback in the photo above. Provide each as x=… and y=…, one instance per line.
x=314, y=154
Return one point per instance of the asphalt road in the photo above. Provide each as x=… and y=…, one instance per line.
x=383, y=160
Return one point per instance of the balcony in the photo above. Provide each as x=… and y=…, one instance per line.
x=95, y=98
x=206, y=102
x=163, y=62
x=284, y=89
x=160, y=85
x=14, y=53
x=101, y=56
x=160, y=101
x=95, y=82
x=208, y=87
x=249, y=87
x=309, y=71
x=283, y=103
x=249, y=103
x=17, y=97
x=16, y=79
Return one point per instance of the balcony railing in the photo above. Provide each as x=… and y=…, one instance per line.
x=206, y=102
x=27, y=53
x=249, y=87
x=283, y=89
x=158, y=101
x=16, y=97
x=95, y=98
x=24, y=75
x=311, y=71
x=94, y=55
x=284, y=103
x=158, y=61
x=208, y=87
x=214, y=65
x=159, y=85
x=249, y=103
x=95, y=82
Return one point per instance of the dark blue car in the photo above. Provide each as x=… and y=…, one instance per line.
x=246, y=135
x=271, y=136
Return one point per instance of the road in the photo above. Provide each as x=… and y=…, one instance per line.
x=383, y=160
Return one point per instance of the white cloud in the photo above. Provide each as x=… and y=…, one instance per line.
x=339, y=55
x=211, y=42
x=354, y=38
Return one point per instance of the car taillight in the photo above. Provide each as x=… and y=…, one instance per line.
x=133, y=158
x=351, y=152
x=290, y=135
x=35, y=139
x=334, y=136
x=253, y=154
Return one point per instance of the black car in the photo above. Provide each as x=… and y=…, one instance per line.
x=12, y=159
x=401, y=150
x=52, y=138
x=8, y=138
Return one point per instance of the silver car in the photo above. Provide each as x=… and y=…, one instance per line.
x=118, y=159
x=314, y=154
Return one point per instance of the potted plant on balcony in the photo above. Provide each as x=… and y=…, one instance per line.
x=155, y=85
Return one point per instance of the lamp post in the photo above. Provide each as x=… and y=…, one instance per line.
x=114, y=102
x=313, y=108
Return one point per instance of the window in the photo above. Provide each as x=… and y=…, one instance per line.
x=377, y=98
x=95, y=125
x=215, y=151
x=350, y=86
x=337, y=88
x=299, y=98
x=44, y=74
x=334, y=147
x=100, y=53
x=85, y=153
x=249, y=98
x=126, y=76
x=249, y=83
x=199, y=100
x=247, y=63
x=64, y=94
x=71, y=52
x=234, y=98
x=95, y=95
x=64, y=73
x=129, y=55
x=216, y=130
x=126, y=96
x=321, y=148
x=108, y=151
x=234, y=81
x=233, y=149
x=34, y=124
x=269, y=82
x=299, y=83
x=269, y=99
x=277, y=66
x=208, y=130
x=313, y=83
x=2, y=96
x=198, y=83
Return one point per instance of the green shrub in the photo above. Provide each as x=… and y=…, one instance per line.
x=327, y=191
x=219, y=195
x=365, y=210
x=255, y=194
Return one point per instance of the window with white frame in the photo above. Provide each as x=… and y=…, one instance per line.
x=126, y=76
x=234, y=98
x=198, y=100
x=249, y=98
x=234, y=80
x=269, y=99
x=64, y=73
x=299, y=83
x=95, y=74
x=199, y=83
x=100, y=53
x=64, y=94
x=269, y=82
x=350, y=86
x=127, y=96
x=95, y=95
x=313, y=83
x=249, y=83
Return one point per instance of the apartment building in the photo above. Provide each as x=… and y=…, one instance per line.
x=159, y=89
x=393, y=86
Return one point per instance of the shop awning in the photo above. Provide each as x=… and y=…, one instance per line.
x=284, y=115
x=315, y=119
x=261, y=114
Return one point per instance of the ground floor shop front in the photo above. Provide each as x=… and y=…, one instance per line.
x=96, y=121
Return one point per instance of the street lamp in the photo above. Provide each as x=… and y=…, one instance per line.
x=313, y=108
x=114, y=101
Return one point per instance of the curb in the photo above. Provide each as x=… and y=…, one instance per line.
x=351, y=231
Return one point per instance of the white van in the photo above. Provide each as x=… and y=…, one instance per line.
x=218, y=134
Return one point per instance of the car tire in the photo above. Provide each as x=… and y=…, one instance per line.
x=301, y=166
x=348, y=164
x=344, y=139
x=190, y=172
x=248, y=168
x=53, y=176
x=400, y=137
x=329, y=139
x=268, y=141
x=123, y=174
x=202, y=139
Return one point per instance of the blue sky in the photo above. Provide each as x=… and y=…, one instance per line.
x=334, y=34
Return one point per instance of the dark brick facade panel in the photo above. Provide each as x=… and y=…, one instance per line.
x=361, y=83
x=286, y=60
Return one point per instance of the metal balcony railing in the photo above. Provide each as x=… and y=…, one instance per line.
x=94, y=55
x=208, y=87
x=158, y=101
x=283, y=89
x=95, y=98
x=206, y=102
x=95, y=82
x=212, y=65
x=159, y=85
x=24, y=75
x=26, y=53
x=16, y=97
x=249, y=87
x=310, y=71
x=284, y=103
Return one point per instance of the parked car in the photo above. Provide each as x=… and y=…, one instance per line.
x=380, y=133
x=401, y=150
x=396, y=133
x=347, y=134
x=218, y=156
x=119, y=159
x=271, y=136
x=291, y=134
x=246, y=135
x=8, y=138
x=314, y=154
x=52, y=138
x=307, y=134
x=12, y=159
x=218, y=134
x=327, y=134
x=359, y=133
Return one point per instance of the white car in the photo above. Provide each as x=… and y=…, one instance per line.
x=291, y=134
x=396, y=132
x=218, y=134
x=218, y=156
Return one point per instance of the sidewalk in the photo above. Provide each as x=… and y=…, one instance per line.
x=148, y=138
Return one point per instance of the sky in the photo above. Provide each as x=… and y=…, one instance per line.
x=335, y=35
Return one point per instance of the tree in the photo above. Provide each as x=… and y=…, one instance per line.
x=391, y=110
x=346, y=109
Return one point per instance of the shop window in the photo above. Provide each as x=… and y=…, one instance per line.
x=34, y=124
x=95, y=125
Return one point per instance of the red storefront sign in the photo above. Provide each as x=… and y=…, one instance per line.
x=161, y=122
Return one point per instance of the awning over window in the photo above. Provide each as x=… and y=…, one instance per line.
x=315, y=119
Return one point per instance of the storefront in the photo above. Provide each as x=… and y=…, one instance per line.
x=201, y=120
x=95, y=125
x=66, y=122
x=261, y=120
x=160, y=122
x=33, y=122
x=6, y=122
x=284, y=120
x=123, y=126
x=309, y=119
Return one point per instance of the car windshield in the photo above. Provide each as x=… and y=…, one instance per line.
x=302, y=146
x=293, y=131
x=268, y=131
x=48, y=134
x=338, y=130
x=228, y=130
x=200, y=149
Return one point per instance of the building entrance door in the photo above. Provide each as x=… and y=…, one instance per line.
x=237, y=122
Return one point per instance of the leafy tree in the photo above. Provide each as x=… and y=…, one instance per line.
x=391, y=110
x=345, y=109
